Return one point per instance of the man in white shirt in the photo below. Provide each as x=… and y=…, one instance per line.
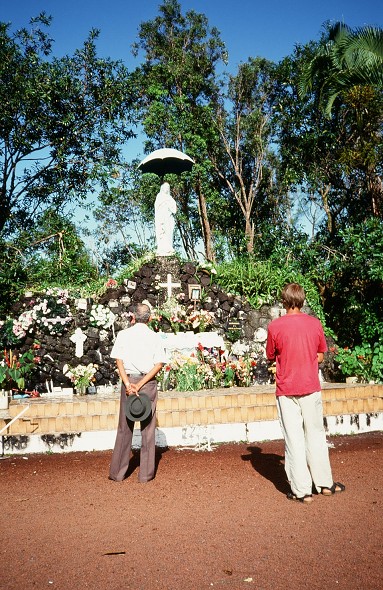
x=139, y=357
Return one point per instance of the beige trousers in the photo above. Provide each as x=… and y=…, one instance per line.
x=306, y=452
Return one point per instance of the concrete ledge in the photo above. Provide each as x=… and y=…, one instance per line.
x=195, y=419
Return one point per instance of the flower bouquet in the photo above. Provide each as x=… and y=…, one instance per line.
x=81, y=376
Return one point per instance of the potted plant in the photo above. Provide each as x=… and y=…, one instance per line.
x=14, y=368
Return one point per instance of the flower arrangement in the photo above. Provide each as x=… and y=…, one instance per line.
x=179, y=318
x=207, y=368
x=81, y=376
x=101, y=316
x=199, y=319
x=239, y=348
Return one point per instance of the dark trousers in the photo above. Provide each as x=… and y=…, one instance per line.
x=122, y=448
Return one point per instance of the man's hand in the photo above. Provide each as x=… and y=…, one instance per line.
x=134, y=388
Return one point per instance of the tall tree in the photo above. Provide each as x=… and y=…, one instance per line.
x=62, y=122
x=345, y=59
x=325, y=158
x=178, y=85
x=346, y=71
x=244, y=160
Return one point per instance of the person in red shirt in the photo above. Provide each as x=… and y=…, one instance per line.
x=297, y=343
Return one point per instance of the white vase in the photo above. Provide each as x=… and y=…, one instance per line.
x=4, y=399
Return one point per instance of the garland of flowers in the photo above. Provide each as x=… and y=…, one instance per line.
x=50, y=314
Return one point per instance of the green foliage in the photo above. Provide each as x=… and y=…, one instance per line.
x=62, y=123
x=49, y=255
x=189, y=378
x=333, y=163
x=13, y=276
x=262, y=282
x=16, y=368
x=365, y=361
x=346, y=59
x=57, y=255
x=353, y=279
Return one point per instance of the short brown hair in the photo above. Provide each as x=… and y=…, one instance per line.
x=293, y=295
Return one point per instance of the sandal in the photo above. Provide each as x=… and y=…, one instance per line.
x=306, y=499
x=336, y=488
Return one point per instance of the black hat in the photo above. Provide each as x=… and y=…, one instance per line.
x=138, y=407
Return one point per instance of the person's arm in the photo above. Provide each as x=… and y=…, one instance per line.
x=320, y=356
x=135, y=387
x=123, y=375
x=270, y=348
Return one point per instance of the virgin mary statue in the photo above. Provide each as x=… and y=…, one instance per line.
x=165, y=208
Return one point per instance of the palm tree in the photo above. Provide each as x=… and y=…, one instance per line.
x=347, y=58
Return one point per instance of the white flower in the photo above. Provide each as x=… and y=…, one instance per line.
x=239, y=348
x=260, y=335
x=101, y=316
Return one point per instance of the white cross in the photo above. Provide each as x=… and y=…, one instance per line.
x=78, y=337
x=169, y=285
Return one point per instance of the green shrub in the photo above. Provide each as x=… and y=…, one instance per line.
x=261, y=282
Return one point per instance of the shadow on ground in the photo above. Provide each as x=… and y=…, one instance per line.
x=268, y=465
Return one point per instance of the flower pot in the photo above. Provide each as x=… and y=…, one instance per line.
x=351, y=379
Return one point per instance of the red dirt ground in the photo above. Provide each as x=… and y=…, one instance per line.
x=215, y=519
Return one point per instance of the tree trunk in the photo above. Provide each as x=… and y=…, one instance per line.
x=324, y=194
x=375, y=187
x=249, y=233
x=205, y=225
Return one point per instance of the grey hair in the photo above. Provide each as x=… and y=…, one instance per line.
x=142, y=313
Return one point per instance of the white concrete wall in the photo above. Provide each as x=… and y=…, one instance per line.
x=197, y=437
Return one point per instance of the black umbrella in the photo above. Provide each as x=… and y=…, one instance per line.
x=166, y=161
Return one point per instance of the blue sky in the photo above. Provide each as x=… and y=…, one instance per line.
x=269, y=28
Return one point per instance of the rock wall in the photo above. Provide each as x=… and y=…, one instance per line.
x=234, y=319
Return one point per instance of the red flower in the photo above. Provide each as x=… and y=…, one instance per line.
x=111, y=283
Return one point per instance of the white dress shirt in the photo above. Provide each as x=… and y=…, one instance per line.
x=139, y=348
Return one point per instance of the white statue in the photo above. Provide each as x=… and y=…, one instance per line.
x=165, y=208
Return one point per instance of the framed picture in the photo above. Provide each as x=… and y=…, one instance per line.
x=195, y=292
